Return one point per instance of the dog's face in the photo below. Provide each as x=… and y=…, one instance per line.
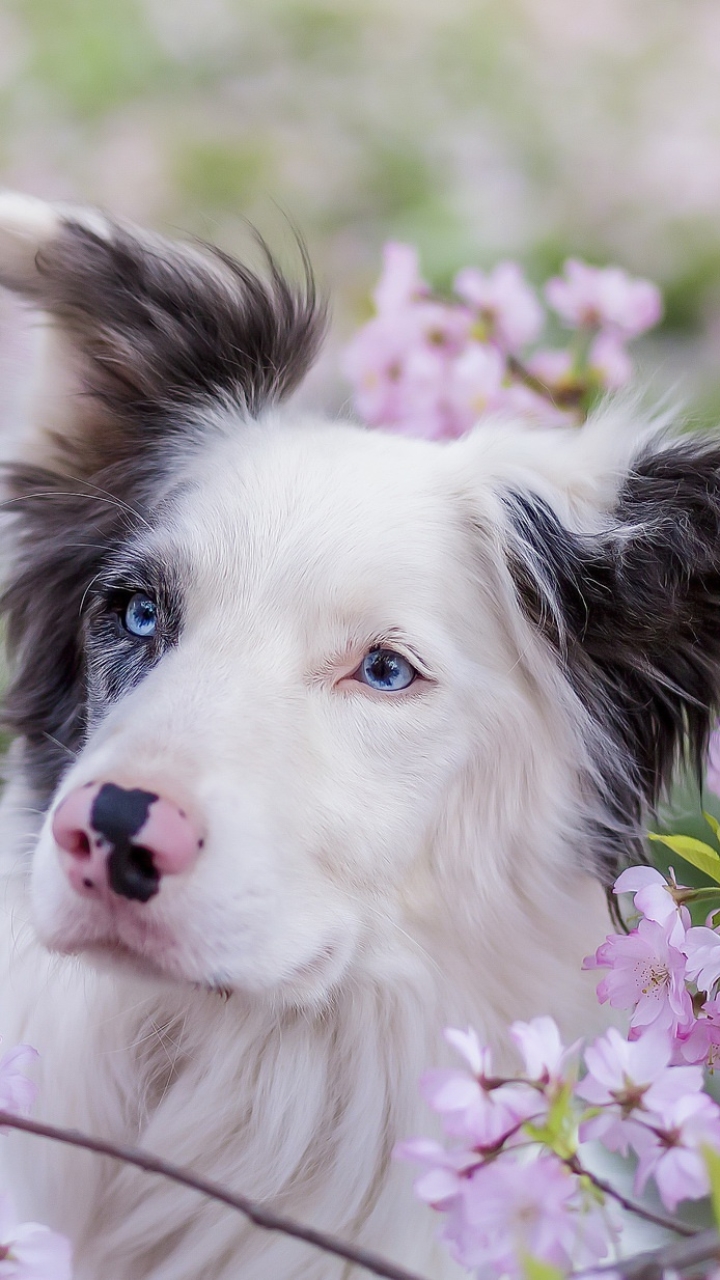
x=301, y=665
x=318, y=661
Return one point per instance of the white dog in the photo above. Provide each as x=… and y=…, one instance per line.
x=326, y=739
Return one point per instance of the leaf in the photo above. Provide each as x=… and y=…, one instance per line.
x=559, y=1132
x=695, y=852
x=536, y=1269
x=713, y=824
x=712, y=1160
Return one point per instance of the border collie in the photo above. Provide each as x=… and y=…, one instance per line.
x=324, y=739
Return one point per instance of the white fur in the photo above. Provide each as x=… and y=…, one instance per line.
x=376, y=867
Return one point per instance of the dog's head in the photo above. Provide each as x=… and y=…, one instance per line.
x=282, y=681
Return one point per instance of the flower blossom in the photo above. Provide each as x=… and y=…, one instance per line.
x=604, y=298
x=508, y=1211
x=543, y=1051
x=701, y=1042
x=653, y=894
x=483, y=1115
x=29, y=1251
x=506, y=306
x=672, y=1152
x=400, y=283
x=702, y=948
x=609, y=359
x=628, y=1077
x=647, y=975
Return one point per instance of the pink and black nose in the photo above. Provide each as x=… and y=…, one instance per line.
x=123, y=841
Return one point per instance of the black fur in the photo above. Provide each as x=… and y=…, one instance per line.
x=165, y=330
x=634, y=614
x=65, y=535
x=162, y=333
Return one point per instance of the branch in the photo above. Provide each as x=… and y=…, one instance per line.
x=687, y=1257
x=260, y=1214
x=659, y=1219
x=569, y=396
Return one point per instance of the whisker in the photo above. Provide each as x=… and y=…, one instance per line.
x=63, y=747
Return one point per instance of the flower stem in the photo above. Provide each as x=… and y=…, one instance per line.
x=659, y=1219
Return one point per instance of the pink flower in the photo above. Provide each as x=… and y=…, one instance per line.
x=593, y=297
x=474, y=384
x=609, y=359
x=647, y=975
x=673, y=1155
x=481, y=1116
x=635, y=1076
x=701, y=1042
x=653, y=894
x=553, y=366
x=29, y=1251
x=702, y=948
x=536, y=410
x=17, y=1093
x=443, y=1179
x=400, y=283
x=374, y=363
x=400, y=367
x=467, y=1044
x=543, y=1051
x=504, y=302
x=713, y=764
x=509, y=1210
x=636, y=1073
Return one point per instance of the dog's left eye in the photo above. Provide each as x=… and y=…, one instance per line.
x=140, y=616
x=386, y=670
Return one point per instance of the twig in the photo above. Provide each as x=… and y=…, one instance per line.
x=682, y=1256
x=659, y=1219
x=564, y=397
x=262, y=1215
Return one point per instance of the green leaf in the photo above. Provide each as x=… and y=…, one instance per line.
x=712, y=1160
x=559, y=1132
x=695, y=852
x=536, y=1269
x=713, y=824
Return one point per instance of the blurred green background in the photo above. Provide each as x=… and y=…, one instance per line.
x=476, y=128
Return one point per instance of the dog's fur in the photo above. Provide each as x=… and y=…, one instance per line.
x=376, y=865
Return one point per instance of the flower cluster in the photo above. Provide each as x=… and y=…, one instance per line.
x=28, y=1251
x=430, y=367
x=511, y=1182
x=666, y=971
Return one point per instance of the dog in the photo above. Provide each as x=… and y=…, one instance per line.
x=324, y=739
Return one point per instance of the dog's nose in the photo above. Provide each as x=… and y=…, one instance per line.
x=122, y=839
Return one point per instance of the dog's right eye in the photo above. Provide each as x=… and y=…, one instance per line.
x=140, y=616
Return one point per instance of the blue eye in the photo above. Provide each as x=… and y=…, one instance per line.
x=140, y=617
x=386, y=670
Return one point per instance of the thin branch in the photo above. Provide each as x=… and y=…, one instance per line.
x=687, y=1257
x=262, y=1215
x=659, y=1219
x=569, y=396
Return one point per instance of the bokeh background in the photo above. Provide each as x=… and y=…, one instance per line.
x=476, y=128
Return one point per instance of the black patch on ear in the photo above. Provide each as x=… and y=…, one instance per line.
x=162, y=333
x=165, y=330
x=634, y=615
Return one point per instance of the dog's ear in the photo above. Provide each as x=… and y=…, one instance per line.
x=143, y=333
x=632, y=611
x=146, y=344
